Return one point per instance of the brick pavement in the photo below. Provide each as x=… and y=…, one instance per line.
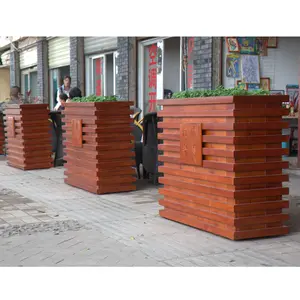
x=82, y=229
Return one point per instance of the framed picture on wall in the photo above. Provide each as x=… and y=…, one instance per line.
x=265, y=83
x=272, y=42
x=232, y=44
x=253, y=86
x=233, y=62
x=250, y=69
x=242, y=85
x=247, y=45
x=262, y=46
x=277, y=92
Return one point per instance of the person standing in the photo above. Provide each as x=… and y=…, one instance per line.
x=15, y=97
x=64, y=89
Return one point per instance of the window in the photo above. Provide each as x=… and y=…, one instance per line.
x=29, y=83
x=100, y=75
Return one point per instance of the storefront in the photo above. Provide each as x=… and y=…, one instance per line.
x=100, y=67
x=160, y=70
x=59, y=64
x=28, y=67
x=4, y=75
x=268, y=63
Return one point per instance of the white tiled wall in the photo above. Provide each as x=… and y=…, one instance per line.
x=281, y=64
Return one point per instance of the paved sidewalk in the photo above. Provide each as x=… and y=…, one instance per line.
x=44, y=222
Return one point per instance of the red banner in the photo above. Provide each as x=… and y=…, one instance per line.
x=152, y=77
x=190, y=63
x=98, y=77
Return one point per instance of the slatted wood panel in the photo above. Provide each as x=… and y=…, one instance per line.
x=2, y=136
x=237, y=192
x=28, y=136
x=99, y=155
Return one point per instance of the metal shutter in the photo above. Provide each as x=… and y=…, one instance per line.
x=96, y=44
x=59, y=52
x=28, y=58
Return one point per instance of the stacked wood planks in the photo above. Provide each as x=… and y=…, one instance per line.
x=223, y=167
x=98, y=146
x=2, y=136
x=28, y=136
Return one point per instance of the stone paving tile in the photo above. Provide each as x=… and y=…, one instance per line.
x=126, y=230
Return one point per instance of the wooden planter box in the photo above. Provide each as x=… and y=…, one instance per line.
x=28, y=136
x=2, y=136
x=223, y=164
x=98, y=147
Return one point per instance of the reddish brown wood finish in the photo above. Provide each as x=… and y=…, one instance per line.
x=28, y=136
x=2, y=136
x=236, y=191
x=98, y=147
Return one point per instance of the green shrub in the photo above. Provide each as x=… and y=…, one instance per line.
x=219, y=91
x=94, y=98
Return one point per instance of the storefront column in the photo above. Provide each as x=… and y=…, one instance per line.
x=42, y=69
x=202, y=67
x=216, y=62
x=126, y=69
x=77, y=65
x=15, y=72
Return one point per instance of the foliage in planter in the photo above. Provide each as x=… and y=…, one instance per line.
x=93, y=98
x=219, y=91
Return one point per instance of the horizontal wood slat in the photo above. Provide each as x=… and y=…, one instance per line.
x=2, y=135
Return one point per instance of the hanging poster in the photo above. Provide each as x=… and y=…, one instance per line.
x=233, y=62
x=247, y=45
x=262, y=46
x=272, y=42
x=232, y=44
x=190, y=63
x=98, y=69
x=250, y=69
x=152, y=77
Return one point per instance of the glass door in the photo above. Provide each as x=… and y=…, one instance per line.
x=53, y=87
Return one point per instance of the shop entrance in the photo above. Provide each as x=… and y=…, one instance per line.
x=159, y=71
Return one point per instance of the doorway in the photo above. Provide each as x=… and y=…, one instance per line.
x=56, y=80
x=159, y=71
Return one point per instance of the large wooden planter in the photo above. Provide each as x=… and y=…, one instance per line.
x=98, y=147
x=28, y=136
x=223, y=164
x=2, y=136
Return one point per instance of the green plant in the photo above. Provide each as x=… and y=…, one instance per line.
x=219, y=91
x=93, y=98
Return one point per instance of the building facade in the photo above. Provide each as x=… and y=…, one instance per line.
x=141, y=69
